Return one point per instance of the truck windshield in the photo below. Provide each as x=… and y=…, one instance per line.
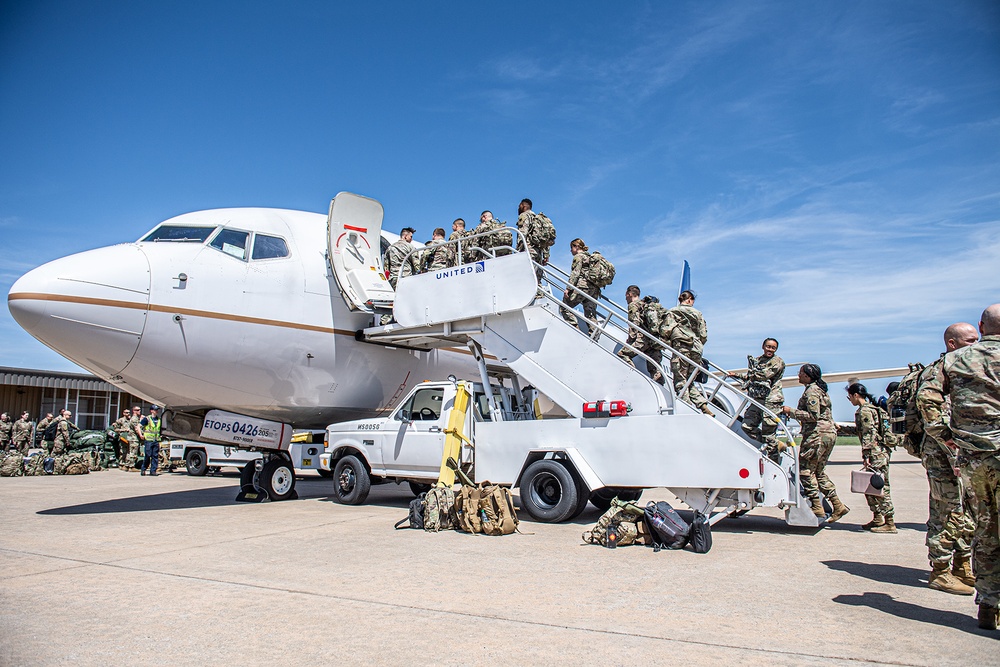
x=424, y=405
x=180, y=234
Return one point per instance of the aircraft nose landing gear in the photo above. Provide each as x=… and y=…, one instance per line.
x=267, y=479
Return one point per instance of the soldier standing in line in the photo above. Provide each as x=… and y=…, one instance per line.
x=538, y=232
x=63, y=433
x=875, y=454
x=122, y=426
x=578, y=279
x=458, y=233
x=496, y=243
x=134, y=438
x=439, y=255
x=686, y=331
x=395, y=257
x=637, y=318
x=950, y=524
x=970, y=377
x=762, y=382
x=40, y=432
x=21, y=435
x=819, y=435
x=6, y=427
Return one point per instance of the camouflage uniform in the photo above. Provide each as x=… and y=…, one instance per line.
x=121, y=426
x=21, y=436
x=950, y=525
x=875, y=455
x=5, y=430
x=40, y=433
x=133, y=442
x=685, y=331
x=636, y=317
x=61, y=443
x=492, y=243
x=756, y=423
x=539, y=251
x=466, y=255
x=970, y=376
x=438, y=256
x=578, y=279
x=819, y=435
x=395, y=257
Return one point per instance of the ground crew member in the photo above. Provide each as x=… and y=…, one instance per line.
x=21, y=435
x=950, y=524
x=819, y=435
x=151, y=437
x=63, y=432
x=439, y=255
x=122, y=426
x=685, y=331
x=970, y=377
x=638, y=340
x=875, y=454
x=762, y=382
x=578, y=279
x=6, y=428
x=40, y=432
x=395, y=257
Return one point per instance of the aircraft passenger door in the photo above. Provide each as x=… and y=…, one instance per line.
x=413, y=438
x=354, y=230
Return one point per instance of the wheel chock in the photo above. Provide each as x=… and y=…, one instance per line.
x=251, y=494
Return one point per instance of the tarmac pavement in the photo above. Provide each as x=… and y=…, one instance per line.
x=114, y=568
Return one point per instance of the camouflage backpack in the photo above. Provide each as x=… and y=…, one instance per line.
x=654, y=315
x=499, y=236
x=439, y=509
x=34, y=465
x=904, y=417
x=12, y=465
x=541, y=233
x=888, y=439
x=76, y=465
x=486, y=508
x=623, y=519
x=600, y=272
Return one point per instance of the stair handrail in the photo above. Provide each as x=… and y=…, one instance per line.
x=488, y=254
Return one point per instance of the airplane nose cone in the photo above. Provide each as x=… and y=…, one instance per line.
x=89, y=307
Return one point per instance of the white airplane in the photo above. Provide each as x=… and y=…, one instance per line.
x=235, y=310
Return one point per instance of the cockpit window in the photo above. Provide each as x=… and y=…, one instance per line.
x=268, y=247
x=232, y=242
x=178, y=233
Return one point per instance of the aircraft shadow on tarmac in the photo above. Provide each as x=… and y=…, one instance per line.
x=172, y=500
x=914, y=612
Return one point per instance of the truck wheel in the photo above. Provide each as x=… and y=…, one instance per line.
x=351, y=481
x=582, y=499
x=419, y=487
x=197, y=462
x=277, y=478
x=548, y=491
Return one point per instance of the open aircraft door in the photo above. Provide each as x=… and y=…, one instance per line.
x=354, y=230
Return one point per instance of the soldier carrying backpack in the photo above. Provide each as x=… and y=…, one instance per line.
x=538, y=231
x=580, y=285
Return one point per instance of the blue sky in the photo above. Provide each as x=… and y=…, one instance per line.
x=830, y=170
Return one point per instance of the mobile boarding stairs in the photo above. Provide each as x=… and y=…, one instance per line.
x=496, y=306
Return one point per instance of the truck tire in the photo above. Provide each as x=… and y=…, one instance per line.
x=277, y=478
x=548, y=491
x=582, y=499
x=197, y=462
x=601, y=498
x=416, y=488
x=351, y=481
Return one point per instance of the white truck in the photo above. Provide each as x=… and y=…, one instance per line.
x=558, y=464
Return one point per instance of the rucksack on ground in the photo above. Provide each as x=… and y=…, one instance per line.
x=12, y=465
x=415, y=517
x=600, y=271
x=669, y=529
x=34, y=465
x=486, y=508
x=700, y=539
x=439, y=509
x=904, y=417
x=622, y=517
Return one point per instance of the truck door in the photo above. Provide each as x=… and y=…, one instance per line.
x=354, y=231
x=413, y=439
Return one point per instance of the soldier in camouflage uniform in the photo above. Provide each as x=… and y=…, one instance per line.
x=122, y=426
x=819, y=435
x=495, y=244
x=762, y=382
x=438, y=255
x=6, y=427
x=396, y=257
x=134, y=438
x=528, y=223
x=950, y=525
x=651, y=348
x=458, y=233
x=875, y=452
x=970, y=377
x=685, y=331
x=63, y=432
x=21, y=434
x=578, y=279
x=40, y=432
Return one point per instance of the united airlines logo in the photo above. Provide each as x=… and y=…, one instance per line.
x=467, y=270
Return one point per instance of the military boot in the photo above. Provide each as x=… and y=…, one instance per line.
x=943, y=580
x=962, y=569
x=888, y=527
x=988, y=617
x=817, y=508
x=707, y=410
x=839, y=509
x=877, y=520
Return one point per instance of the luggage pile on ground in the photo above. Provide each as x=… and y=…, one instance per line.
x=13, y=464
x=480, y=509
x=657, y=525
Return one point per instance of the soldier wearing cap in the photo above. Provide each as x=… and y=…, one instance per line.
x=151, y=436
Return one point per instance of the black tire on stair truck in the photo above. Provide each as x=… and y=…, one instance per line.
x=351, y=481
x=197, y=462
x=548, y=491
x=277, y=478
x=601, y=498
x=416, y=488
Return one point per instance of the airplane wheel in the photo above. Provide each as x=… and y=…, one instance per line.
x=197, y=462
x=277, y=479
x=248, y=476
x=351, y=481
x=548, y=491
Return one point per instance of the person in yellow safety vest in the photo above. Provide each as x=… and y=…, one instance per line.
x=151, y=435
